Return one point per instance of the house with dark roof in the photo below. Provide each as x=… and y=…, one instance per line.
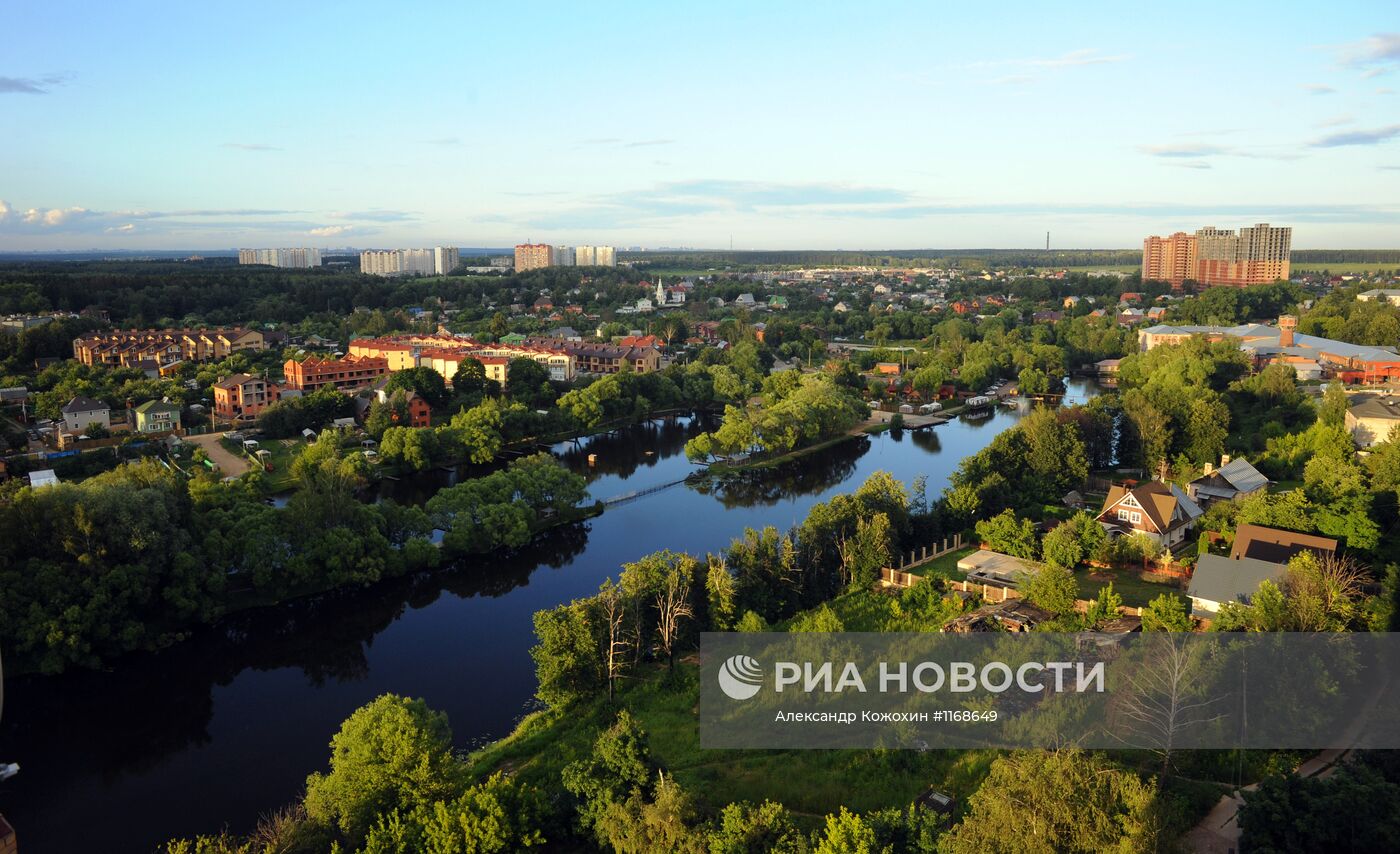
x=1372, y=418
x=81, y=411
x=1275, y=545
x=1234, y=479
x=1218, y=580
x=1161, y=511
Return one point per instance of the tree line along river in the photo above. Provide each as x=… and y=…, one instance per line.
x=225, y=727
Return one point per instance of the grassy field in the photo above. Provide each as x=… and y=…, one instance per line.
x=1134, y=591
x=809, y=782
x=1113, y=268
x=1344, y=268
x=945, y=566
x=283, y=453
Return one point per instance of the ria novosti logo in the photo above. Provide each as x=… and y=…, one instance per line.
x=740, y=677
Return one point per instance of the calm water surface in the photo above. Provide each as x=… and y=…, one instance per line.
x=225, y=727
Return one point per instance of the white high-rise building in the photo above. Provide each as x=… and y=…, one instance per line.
x=298, y=257
x=408, y=262
x=418, y=262
x=445, y=259
x=561, y=256
x=594, y=256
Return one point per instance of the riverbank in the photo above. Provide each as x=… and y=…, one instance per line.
x=258, y=694
x=247, y=600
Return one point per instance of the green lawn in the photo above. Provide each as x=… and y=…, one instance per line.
x=283, y=451
x=1134, y=591
x=945, y=566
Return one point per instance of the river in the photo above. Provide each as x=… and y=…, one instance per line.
x=225, y=727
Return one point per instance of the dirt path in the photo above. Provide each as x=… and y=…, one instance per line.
x=231, y=464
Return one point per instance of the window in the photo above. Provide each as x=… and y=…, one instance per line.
x=1129, y=516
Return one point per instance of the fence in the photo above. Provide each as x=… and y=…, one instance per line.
x=994, y=594
x=896, y=577
x=922, y=555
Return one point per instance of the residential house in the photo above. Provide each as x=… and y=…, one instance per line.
x=81, y=411
x=641, y=341
x=243, y=397
x=1217, y=580
x=157, y=416
x=314, y=373
x=777, y=303
x=420, y=414
x=1370, y=418
x=604, y=358
x=1235, y=479
x=1277, y=546
x=1161, y=511
x=745, y=300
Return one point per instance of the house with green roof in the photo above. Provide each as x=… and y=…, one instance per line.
x=157, y=416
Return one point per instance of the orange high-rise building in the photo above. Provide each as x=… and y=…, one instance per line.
x=1169, y=259
x=1218, y=256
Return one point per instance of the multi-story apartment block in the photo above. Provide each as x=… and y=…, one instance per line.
x=445, y=354
x=561, y=256
x=1256, y=256
x=595, y=256
x=1169, y=259
x=603, y=358
x=352, y=372
x=297, y=257
x=445, y=259
x=129, y=348
x=1218, y=256
x=533, y=256
x=408, y=262
x=242, y=397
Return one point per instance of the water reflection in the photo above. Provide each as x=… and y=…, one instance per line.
x=810, y=474
x=227, y=725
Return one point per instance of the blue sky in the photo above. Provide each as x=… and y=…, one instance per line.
x=777, y=125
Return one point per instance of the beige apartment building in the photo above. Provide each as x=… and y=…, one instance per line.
x=533, y=256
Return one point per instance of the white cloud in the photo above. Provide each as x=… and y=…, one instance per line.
x=330, y=230
x=1318, y=89
x=53, y=216
x=1373, y=52
x=120, y=229
x=4, y=210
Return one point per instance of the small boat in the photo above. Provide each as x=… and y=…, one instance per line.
x=8, y=771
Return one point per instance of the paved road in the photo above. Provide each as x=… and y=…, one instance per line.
x=231, y=464
x=1219, y=832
